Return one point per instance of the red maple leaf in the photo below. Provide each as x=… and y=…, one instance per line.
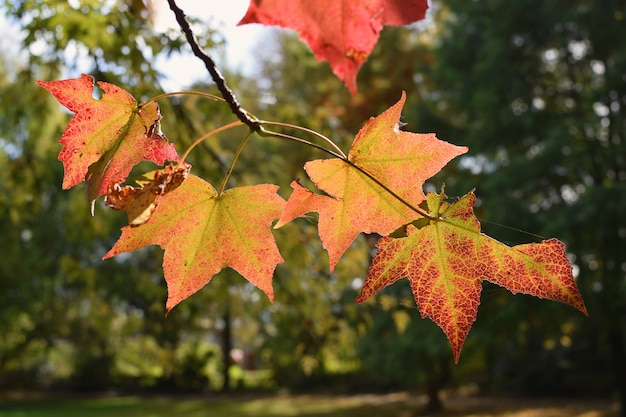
x=400, y=160
x=202, y=233
x=106, y=137
x=446, y=261
x=342, y=32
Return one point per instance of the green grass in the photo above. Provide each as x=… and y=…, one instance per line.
x=168, y=406
x=391, y=405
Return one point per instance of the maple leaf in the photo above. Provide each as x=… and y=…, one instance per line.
x=106, y=137
x=446, y=261
x=202, y=233
x=342, y=32
x=400, y=160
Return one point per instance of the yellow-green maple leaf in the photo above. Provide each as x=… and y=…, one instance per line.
x=202, y=233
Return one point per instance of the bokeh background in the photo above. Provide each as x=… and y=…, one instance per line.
x=535, y=89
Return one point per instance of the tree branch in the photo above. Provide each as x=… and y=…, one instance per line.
x=217, y=77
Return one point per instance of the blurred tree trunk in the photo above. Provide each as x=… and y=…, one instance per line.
x=619, y=360
x=227, y=343
x=434, y=400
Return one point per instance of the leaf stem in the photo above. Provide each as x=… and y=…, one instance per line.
x=216, y=75
x=208, y=135
x=303, y=129
x=232, y=162
x=270, y=133
x=337, y=154
x=178, y=93
x=390, y=191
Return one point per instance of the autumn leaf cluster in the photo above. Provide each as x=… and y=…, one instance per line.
x=376, y=188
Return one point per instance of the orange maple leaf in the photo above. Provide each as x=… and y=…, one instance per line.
x=106, y=137
x=400, y=160
x=342, y=32
x=202, y=233
x=446, y=261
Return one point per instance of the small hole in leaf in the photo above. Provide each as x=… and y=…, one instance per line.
x=97, y=92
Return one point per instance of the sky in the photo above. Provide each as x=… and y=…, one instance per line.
x=239, y=39
x=184, y=69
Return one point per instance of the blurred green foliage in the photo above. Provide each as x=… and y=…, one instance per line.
x=536, y=90
x=70, y=319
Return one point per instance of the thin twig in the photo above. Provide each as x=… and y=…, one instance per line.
x=186, y=93
x=216, y=75
x=232, y=163
x=304, y=129
x=208, y=135
x=266, y=132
